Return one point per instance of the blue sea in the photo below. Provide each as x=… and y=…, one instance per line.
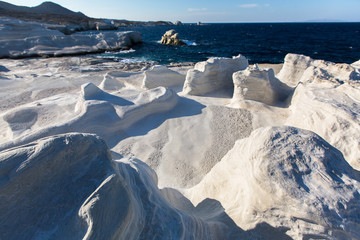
x=259, y=42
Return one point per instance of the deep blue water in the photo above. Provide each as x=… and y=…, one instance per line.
x=259, y=42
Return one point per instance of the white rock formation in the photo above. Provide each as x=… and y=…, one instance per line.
x=326, y=101
x=169, y=148
x=51, y=179
x=95, y=111
x=112, y=81
x=68, y=187
x=213, y=74
x=289, y=178
x=259, y=85
x=295, y=66
x=356, y=65
x=160, y=75
x=280, y=182
x=335, y=118
x=24, y=39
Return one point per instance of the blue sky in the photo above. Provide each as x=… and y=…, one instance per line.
x=214, y=10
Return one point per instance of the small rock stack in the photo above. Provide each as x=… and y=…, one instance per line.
x=171, y=37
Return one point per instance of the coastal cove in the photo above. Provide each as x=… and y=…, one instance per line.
x=129, y=130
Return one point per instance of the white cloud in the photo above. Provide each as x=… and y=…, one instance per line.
x=197, y=9
x=250, y=5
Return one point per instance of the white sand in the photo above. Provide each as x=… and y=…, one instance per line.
x=234, y=156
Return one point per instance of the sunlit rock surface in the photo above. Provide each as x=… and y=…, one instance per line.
x=26, y=39
x=94, y=149
x=289, y=177
x=213, y=74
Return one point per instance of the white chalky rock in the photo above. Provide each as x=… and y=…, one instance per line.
x=296, y=69
x=161, y=76
x=286, y=177
x=24, y=39
x=213, y=74
x=259, y=85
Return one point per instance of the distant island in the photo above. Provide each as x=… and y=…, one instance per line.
x=52, y=13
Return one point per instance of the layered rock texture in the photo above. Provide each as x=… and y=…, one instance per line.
x=297, y=181
x=94, y=149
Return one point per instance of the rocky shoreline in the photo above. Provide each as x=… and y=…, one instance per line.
x=20, y=39
x=94, y=148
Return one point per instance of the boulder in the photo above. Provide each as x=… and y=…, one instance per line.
x=171, y=37
x=213, y=74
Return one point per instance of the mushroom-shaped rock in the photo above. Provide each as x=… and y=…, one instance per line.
x=171, y=37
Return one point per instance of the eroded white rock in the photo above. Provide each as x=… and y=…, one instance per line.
x=24, y=39
x=332, y=112
x=161, y=76
x=299, y=68
x=286, y=177
x=213, y=74
x=68, y=187
x=260, y=85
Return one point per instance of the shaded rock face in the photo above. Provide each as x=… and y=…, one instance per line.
x=37, y=185
x=68, y=187
x=171, y=37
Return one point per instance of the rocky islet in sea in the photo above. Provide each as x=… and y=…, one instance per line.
x=171, y=37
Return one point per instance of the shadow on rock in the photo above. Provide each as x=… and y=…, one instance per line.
x=213, y=213
x=184, y=108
